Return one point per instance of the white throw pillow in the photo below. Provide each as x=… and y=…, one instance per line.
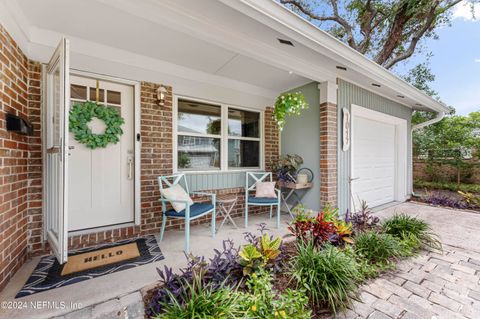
x=265, y=189
x=176, y=192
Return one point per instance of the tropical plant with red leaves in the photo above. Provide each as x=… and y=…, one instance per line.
x=317, y=230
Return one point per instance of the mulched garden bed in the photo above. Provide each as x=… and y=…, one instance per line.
x=443, y=198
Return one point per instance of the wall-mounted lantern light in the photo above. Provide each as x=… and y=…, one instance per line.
x=161, y=94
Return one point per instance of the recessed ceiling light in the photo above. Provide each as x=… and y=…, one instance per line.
x=341, y=68
x=376, y=84
x=401, y=96
x=286, y=42
x=290, y=72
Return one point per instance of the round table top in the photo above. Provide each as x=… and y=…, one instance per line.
x=226, y=198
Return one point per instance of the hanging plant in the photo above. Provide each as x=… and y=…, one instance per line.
x=82, y=113
x=288, y=104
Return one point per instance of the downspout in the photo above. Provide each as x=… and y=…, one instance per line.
x=436, y=119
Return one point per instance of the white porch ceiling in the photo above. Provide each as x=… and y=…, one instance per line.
x=231, y=44
x=102, y=22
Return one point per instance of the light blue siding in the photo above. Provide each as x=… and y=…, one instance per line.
x=215, y=180
x=301, y=135
x=347, y=95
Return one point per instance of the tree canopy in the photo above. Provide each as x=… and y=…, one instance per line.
x=387, y=31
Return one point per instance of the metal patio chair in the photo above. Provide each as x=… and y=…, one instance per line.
x=192, y=212
x=251, y=180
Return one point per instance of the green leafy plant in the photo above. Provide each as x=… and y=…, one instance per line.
x=255, y=256
x=260, y=301
x=251, y=259
x=198, y=301
x=270, y=247
x=470, y=198
x=82, y=113
x=377, y=247
x=414, y=232
x=286, y=105
x=329, y=276
x=471, y=188
x=286, y=167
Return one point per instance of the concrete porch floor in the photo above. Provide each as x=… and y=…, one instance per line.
x=121, y=289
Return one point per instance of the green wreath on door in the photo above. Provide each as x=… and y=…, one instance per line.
x=82, y=113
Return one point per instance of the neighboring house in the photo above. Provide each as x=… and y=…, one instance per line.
x=226, y=60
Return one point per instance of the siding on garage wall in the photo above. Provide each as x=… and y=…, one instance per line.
x=347, y=95
x=301, y=135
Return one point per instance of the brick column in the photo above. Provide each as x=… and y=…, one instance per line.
x=328, y=144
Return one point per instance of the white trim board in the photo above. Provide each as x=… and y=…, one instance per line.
x=223, y=138
x=401, y=145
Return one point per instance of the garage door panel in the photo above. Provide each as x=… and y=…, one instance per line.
x=373, y=161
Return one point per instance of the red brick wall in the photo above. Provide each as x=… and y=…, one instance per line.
x=156, y=160
x=13, y=158
x=272, y=140
x=328, y=154
x=21, y=164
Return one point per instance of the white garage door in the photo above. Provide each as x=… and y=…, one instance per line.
x=373, y=162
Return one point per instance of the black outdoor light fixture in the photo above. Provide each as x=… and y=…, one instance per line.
x=18, y=125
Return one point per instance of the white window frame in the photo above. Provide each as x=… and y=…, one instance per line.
x=224, y=137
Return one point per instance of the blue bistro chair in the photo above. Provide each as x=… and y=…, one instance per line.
x=194, y=211
x=251, y=180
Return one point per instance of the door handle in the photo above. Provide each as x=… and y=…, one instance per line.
x=130, y=167
x=354, y=179
x=53, y=150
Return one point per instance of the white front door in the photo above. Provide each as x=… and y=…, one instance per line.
x=373, y=162
x=56, y=146
x=101, y=190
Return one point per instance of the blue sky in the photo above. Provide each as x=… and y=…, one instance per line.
x=455, y=61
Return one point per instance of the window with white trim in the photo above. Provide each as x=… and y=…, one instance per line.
x=219, y=137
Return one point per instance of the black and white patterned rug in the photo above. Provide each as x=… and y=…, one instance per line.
x=47, y=274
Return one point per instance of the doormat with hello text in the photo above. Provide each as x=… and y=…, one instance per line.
x=88, y=263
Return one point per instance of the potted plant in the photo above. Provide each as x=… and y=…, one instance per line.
x=286, y=167
x=288, y=104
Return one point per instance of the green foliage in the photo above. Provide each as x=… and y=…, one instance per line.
x=82, y=113
x=262, y=302
x=470, y=188
x=377, y=247
x=414, y=232
x=201, y=302
x=388, y=32
x=367, y=269
x=183, y=160
x=329, y=276
x=470, y=198
x=255, y=258
x=251, y=259
x=448, y=141
x=286, y=105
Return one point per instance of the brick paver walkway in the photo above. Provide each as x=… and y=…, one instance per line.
x=431, y=285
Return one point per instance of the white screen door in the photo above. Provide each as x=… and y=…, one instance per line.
x=58, y=100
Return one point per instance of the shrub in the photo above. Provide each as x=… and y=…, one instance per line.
x=363, y=219
x=328, y=276
x=377, y=247
x=262, y=302
x=199, y=301
x=414, y=232
x=471, y=199
x=446, y=200
x=222, y=270
x=259, y=254
x=318, y=230
x=471, y=188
